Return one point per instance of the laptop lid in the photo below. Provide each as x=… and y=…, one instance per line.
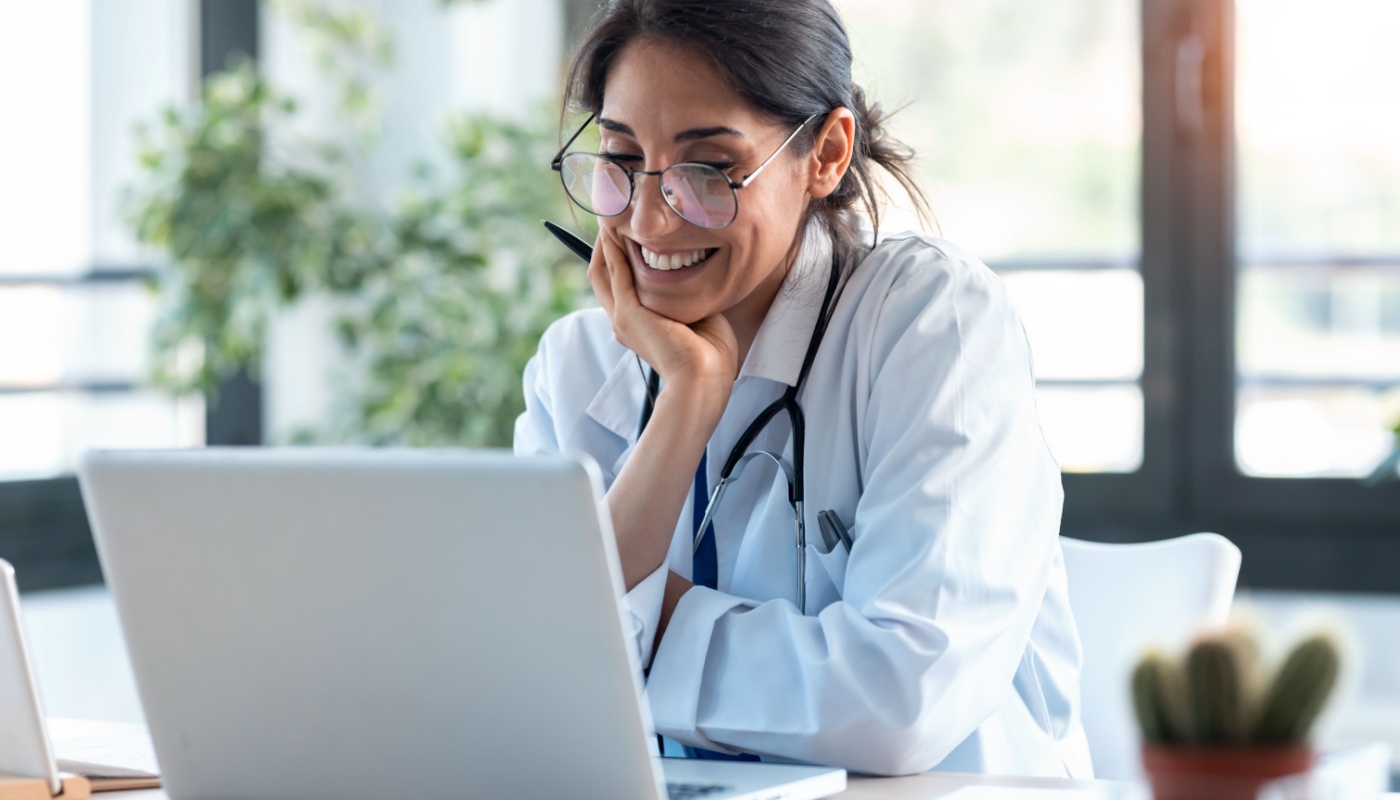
x=356, y=624
x=24, y=742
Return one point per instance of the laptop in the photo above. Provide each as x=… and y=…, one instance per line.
x=24, y=741
x=25, y=751
x=369, y=624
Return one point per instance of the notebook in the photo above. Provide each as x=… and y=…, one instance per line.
x=369, y=624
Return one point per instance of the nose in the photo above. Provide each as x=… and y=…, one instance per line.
x=651, y=216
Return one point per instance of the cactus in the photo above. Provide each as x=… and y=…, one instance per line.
x=1150, y=698
x=1208, y=699
x=1298, y=692
x=1216, y=699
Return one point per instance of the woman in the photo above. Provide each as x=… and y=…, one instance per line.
x=928, y=626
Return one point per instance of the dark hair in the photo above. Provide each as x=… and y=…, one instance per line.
x=790, y=58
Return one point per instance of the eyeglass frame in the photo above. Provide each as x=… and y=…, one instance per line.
x=557, y=164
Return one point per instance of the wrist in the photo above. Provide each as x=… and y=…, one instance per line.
x=676, y=587
x=698, y=399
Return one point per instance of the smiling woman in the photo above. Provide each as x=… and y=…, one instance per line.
x=739, y=258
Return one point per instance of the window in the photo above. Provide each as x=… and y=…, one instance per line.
x=1196, y=207
x=74, y=309
x=1047, y=198
x=1318, y=311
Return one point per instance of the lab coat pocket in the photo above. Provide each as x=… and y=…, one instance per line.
x=834, y=563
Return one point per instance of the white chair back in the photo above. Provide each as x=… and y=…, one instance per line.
x=1125, y=598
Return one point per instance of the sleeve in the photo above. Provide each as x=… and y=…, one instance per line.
x=955, y=538
x=537, y=433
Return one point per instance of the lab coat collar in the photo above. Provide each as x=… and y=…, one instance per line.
x=781, y=342
x=618, y=404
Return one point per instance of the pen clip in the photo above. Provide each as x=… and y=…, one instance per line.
x=829, y=537
x=833, y=531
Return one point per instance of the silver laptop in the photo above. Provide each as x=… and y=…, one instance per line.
x=369, y=624
x=24, y=739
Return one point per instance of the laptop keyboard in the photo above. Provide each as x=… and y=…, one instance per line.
x=690, y=791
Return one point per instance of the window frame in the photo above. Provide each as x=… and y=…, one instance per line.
x=44, y=530
x=1296, y=533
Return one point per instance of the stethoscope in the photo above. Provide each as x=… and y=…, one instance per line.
x=738, y=456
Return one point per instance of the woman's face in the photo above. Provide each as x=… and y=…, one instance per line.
x=665, y=105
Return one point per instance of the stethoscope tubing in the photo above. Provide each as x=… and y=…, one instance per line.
x=738, y=455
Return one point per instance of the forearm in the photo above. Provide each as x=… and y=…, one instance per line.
x=649, y=493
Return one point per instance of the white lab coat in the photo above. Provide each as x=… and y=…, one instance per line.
x=944, y=639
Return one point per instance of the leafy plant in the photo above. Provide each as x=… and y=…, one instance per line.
x=446, y=330
x=441, y=298
x=1217, y=695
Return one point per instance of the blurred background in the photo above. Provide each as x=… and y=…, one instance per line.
x=231, y=222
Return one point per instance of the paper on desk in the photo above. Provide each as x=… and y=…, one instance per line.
x=103, y=758
x=102, y=750
x=1014, y=793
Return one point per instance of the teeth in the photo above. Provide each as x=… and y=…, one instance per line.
x=672, y=261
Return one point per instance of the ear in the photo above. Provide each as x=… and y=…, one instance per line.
x=831, y=154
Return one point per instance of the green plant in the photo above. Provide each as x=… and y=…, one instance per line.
x=1216, y=696
x=445, y=330
x=441, y=297
x=1215, y=692
x=1298, y=692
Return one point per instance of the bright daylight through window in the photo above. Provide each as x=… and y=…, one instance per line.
x=1027, y=121
x=1318, y=327
x=74, y=315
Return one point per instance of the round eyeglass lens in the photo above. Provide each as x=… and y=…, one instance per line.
x=598, y=185
x=700, y=194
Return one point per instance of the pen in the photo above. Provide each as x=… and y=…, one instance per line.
x=580, y=248
x=833, y=530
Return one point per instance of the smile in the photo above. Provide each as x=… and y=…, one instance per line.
x=672, y=261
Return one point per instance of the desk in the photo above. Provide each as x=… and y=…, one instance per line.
x=938, y=784
x=923, y=787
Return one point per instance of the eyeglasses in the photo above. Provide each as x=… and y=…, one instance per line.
x=700, y=193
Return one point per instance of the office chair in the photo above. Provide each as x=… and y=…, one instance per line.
x=1126, y=597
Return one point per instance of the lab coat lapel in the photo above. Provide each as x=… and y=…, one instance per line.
x=781, y=342
x=618, y=404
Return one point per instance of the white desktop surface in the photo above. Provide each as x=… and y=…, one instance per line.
x=924, y=787
x=927, y=785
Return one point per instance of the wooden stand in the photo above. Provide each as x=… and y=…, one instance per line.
x=13, y=787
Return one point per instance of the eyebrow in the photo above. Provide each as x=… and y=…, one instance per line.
x=684, y=136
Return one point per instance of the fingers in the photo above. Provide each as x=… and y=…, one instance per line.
x=611, y=277
x=598, y=275
x=624, y=291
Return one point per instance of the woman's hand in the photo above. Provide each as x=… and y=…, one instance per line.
x=701, y=357
x=698, y=363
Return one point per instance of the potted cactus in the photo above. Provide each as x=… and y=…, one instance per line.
x=1216, y=725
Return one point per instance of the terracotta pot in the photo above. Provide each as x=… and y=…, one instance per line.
x=1219, y=773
